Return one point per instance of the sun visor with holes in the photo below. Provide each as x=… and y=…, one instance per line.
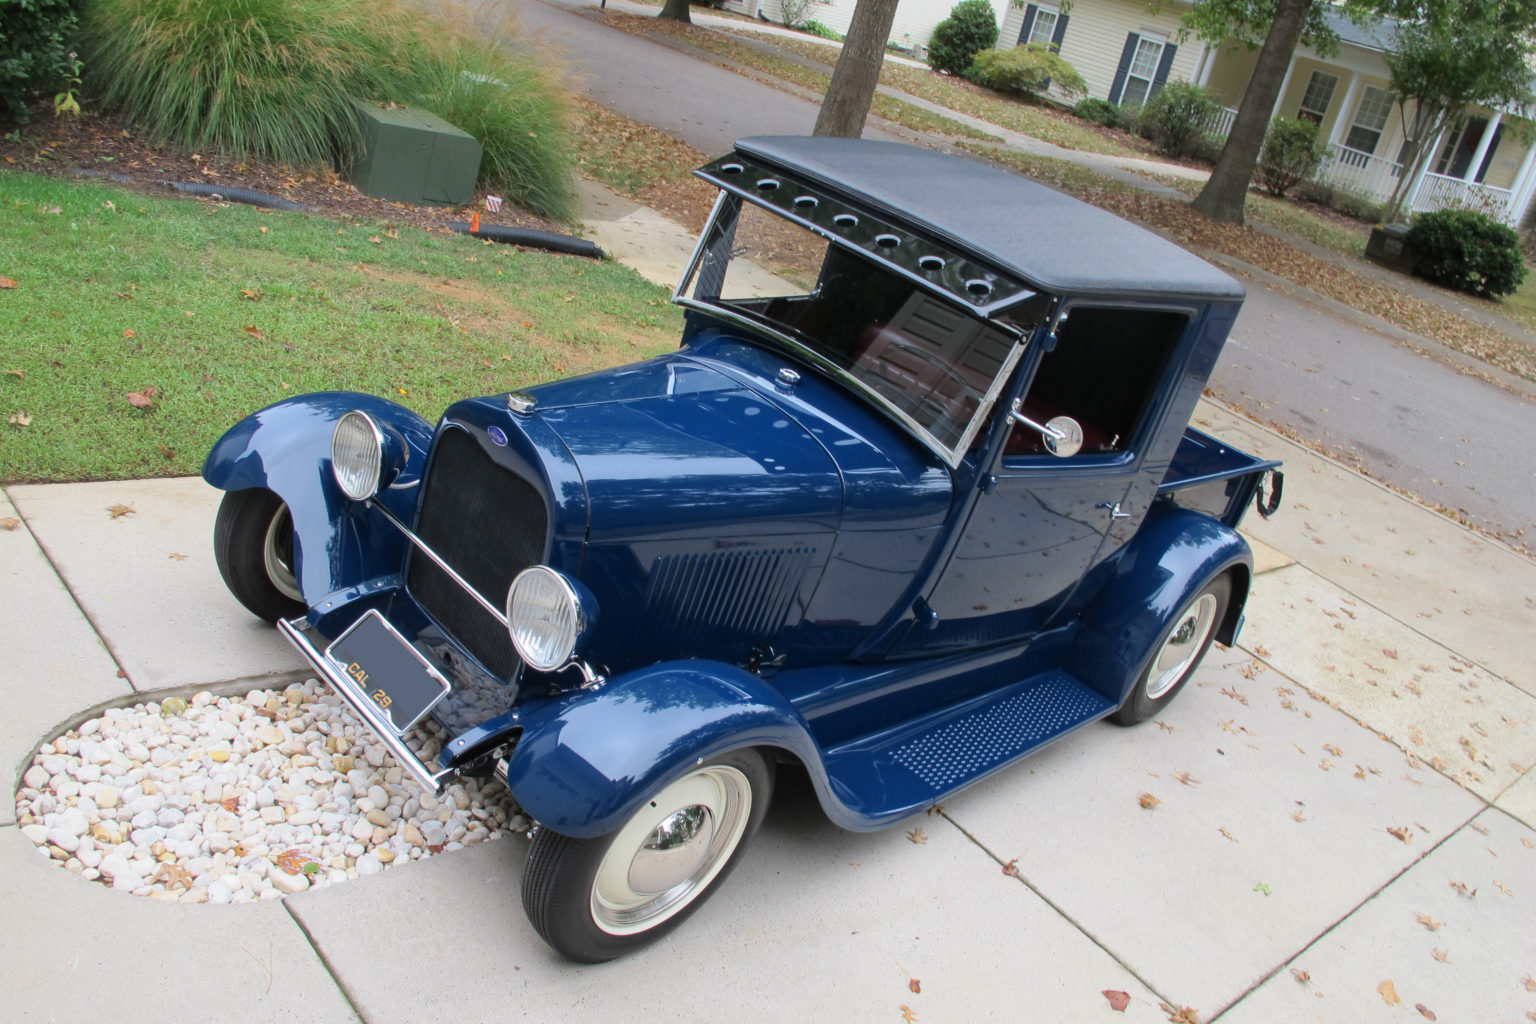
x=908, y=252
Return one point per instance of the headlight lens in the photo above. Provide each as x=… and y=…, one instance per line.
x=357, y=455
x=545, y=618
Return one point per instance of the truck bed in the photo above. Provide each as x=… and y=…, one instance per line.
x=1212, y=477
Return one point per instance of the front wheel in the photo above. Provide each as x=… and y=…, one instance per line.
x=597, y=899
x=253, y=546
x=1178, y=652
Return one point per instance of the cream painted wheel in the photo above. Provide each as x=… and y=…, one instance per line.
x=597, y=899
x=1179, y=649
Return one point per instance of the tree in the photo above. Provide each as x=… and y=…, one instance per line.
x=858, y=71
x=1281, y=24
x=1459, y=53
x=676, y=10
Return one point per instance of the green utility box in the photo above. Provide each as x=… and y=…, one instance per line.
x=411, y=156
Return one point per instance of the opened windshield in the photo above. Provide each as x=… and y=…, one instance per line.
x=922, y=357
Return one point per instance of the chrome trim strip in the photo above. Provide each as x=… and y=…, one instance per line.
x=437, y=560
x=396, y=745
x=698, y=247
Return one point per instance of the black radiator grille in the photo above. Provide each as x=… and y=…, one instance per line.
x=488, y=524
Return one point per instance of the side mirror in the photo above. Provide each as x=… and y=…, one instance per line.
x=1063, y=435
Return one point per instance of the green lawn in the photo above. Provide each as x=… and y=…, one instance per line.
x=212, y=312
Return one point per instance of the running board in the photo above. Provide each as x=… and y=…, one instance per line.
x=885, y=777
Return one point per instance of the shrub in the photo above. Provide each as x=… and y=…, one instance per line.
x=35, y=37
x=1098, y=111
x=1292, y=154
x=794, y=12
x=970, y=28
x=1175, y=118
x=816, y=28
x=1466, y=251
x=1025, y=71
x=275, y=79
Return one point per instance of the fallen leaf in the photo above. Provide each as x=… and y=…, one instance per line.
x=1118, y=1000
x=1164, y=725
x=1227, y=834
x=1183, y=1015
x=230, y=804
x=1389, y=993
x=1429, y=922
x=916, y=836
x=6, y=282
x=1262, y=887
x=916, y=986
x=16, y=373
x=21, y=419
x=254, y=294
x=255, y=332
x=1301, y=975
x=375, y=239
x=1461, y=887
x=1298, y=816
x=1425, y=1011
x=1502, y=887
x=1441, y=955
x=262, y=229
x=128, y=334
x=9, y=523
x=1389, y=652
x=120, y=510
x=291, y=861
x=1149, y=801
x=1186, y=778
x=908, y=1014
x=1011, y=869
x=1333, y=749
x=174, y=876
x=166, y=451
x=1400, y=833
x=178, y=556
x=1529, y=983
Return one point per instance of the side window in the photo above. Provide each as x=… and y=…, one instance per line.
x=1104, y=372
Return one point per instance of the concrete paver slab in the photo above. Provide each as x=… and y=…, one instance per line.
x=652, y=245
x=1469, y=723
x=1475, y=964
x=1474, y=596
x=55, y=665
x=148, y=581
x=1520, y=799
x=1266, y=558
x=816, y=924
x=1273, y=823
x=75, y=951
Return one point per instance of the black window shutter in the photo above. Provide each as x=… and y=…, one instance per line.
x=1029, y=23
x=1061, y=30
x=1126, y=56
x=1162, y=69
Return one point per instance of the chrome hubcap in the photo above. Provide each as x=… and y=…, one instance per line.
x=671, y=850
x=277, y=554
x=1183, y=645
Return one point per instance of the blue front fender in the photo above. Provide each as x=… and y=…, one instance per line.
x=286, y=448
x=587, y=760
x=1174, y=554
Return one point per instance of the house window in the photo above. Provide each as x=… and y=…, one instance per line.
x=1138, y=80
x=1370, y=119
x=1044, y=28
x=1314, y=105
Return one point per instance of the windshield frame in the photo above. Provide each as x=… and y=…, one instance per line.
x=727, y=204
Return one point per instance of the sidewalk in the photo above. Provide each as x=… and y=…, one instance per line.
x=1368, y=746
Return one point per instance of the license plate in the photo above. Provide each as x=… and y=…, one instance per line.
x=380, y=667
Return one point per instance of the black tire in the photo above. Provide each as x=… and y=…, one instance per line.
x=579, y=908
x=253, y=546
x=1178, y=653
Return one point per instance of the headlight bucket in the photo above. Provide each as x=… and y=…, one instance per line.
x=357, y=455
x=548, y=616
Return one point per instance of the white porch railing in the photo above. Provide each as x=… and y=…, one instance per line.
x=1360, y=172
x=1440, y=192
x=1220, y=124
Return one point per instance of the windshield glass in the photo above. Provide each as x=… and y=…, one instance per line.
x=923, y=358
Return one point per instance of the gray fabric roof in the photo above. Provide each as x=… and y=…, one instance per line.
x=1052, y=240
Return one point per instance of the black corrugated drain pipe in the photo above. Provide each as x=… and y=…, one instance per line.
x=532, y=238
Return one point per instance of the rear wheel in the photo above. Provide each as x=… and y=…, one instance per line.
x=597, y=899
x=1178, y=652
x=253, y=546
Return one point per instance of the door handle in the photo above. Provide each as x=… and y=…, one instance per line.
x=1114, y=510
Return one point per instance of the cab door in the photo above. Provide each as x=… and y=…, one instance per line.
x=1040, y=522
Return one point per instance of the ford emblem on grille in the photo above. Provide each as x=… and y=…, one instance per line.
x=498, y=436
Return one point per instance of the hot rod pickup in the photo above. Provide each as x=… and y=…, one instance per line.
x=916, y=496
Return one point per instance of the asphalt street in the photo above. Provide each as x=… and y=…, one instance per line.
x=1331, y=381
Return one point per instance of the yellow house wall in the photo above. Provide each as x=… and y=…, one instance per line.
x=1095, y=38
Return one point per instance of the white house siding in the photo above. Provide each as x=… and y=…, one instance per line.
x=1096, y=33
x=913, y=26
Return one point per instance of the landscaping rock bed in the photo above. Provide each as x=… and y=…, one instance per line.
x=233, y=799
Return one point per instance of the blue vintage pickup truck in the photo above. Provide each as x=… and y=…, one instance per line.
x=916, y=496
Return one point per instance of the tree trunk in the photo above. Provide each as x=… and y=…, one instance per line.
x=676, y=10
x=858, y=71
x=1223, y=196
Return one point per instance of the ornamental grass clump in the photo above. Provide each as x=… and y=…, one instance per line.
x=276, y=80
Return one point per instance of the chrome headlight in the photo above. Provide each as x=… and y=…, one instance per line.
x=546, y=618
x=357, y=455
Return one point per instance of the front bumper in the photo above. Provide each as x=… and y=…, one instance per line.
x=345, y=688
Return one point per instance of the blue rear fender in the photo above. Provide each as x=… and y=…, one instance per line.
x=286, y=448
x=1174, y=554
x=587, y=760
